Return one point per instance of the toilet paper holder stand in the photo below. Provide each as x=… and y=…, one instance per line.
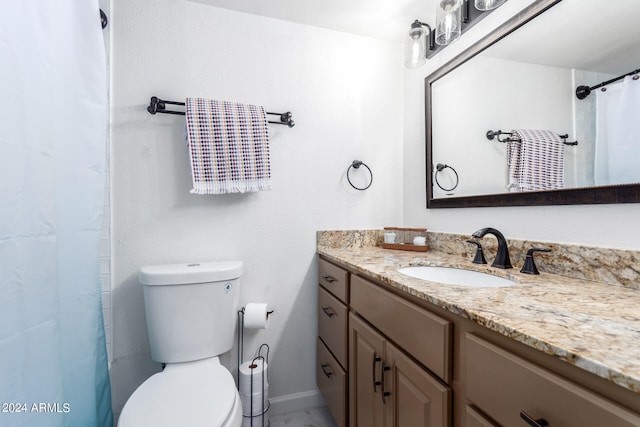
x=264, y=358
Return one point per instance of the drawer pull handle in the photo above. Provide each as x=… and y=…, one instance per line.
x=541, y=422
x=376, y=359
x=324, y=369
x=329, y=278
x=384, y=393
x=328, y=311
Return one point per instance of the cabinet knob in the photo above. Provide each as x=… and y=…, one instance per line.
x=540, y=422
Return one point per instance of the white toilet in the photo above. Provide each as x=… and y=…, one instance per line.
x=191, y=316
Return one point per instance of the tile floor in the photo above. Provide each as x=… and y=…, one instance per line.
x=316, y=417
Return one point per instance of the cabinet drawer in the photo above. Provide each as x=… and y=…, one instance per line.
x=332, y=382
x=334, y=279
x=420, y=333
x=502, y=384
x=332, y=325
x=475, y=419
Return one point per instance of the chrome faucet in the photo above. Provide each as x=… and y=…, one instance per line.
x=502, y=257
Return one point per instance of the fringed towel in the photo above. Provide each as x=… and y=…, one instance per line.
x=228, y=145
x=536, y=162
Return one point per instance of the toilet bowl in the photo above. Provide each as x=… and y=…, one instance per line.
x=194, y=394
x=191, y=312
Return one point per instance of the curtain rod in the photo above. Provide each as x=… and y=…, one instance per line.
x=157, y=105
x=583, y=91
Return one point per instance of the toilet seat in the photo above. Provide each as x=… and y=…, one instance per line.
x=194, y=394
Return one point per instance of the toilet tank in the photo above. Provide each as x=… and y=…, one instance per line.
x=191, y=309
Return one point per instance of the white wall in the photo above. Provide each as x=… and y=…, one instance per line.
x=602, y=225
x=345, y=93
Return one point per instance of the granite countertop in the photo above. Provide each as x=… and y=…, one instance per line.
x=590, y=324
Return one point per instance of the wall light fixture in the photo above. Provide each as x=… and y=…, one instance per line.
x=488, y=4
x=420, y=36
x=453, y=17
x=448, y=21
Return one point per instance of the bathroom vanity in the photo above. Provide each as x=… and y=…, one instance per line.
x=394, y=350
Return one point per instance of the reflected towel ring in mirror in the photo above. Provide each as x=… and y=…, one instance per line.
x=103, y=19
x=356, y=165
x=439, y=168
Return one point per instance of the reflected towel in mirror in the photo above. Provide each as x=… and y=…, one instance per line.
x=536, y=161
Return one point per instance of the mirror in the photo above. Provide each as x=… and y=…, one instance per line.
x=524, y=75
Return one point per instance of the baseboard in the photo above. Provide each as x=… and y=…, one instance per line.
x=295, y=402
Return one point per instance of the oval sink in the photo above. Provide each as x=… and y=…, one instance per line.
x=456, y=276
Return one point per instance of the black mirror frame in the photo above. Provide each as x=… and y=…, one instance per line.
x=628, y=193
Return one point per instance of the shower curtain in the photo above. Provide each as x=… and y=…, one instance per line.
x=617, y=150
x=53, y=118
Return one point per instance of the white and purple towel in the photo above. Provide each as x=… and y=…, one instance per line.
x=228, y=145
x=536, y=162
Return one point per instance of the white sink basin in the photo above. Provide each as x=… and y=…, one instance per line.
x=456, y=276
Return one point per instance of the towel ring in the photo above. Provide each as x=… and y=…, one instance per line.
x=356, y=165
x=439, y=168
x=103, y=19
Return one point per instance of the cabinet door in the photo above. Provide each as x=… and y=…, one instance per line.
x=332, y=382
x=504, y=386
x=366, y=351
x=420, y=333
x=332, y=325
x=334, y=279
x=416, y=398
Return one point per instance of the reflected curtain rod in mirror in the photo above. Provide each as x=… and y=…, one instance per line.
x=555, y=11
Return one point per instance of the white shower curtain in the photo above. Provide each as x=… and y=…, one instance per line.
x=617, y=151
x=53, y=364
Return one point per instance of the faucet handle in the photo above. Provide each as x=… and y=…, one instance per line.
x=479, y=258
x=529, y=266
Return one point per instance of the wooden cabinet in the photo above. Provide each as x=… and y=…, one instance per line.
x=509, y=389
x=417, y=399
x=391, y=342
x=387, y=359
x=387, y=365
x=331, y=348
x=332, y=382
x=366, y=352
x=332, y=325
x=334, y=279
x=423, y=335
x=389, y=389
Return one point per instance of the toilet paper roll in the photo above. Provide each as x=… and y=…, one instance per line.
x=258, y=396
x=256, y=406
x=245, y=378
x=259, y=421
x=255, y=316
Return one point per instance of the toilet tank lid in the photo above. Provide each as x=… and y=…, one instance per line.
x=189, y=273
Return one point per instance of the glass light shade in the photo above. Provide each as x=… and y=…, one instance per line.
x=448, y=21
x=416, y=52
x=488, y=4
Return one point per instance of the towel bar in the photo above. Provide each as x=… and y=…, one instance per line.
x=496, y=134
x=157, y=105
